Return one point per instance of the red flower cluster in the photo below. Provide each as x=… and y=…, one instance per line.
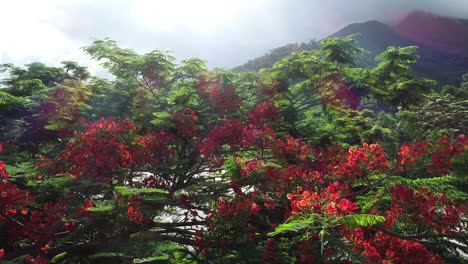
x=230, y=132
x=43, y=224
x=225, y=99
x=328, y=201
x=99, y=150
x=284, y=176
x=37, y=260
x=410, y=153
x=422, y=207
x=385, y=249
x=12, y=199
x=368, y=158
x=154, y=149
x=258, y=137
x=3, y=172
x=443, y=154
x=238, y=136
x=265, y=111
x=291, y=149
x=19, y=222
x=135, y=216
x=241, y=208
x=186, y=126
x=249, y=166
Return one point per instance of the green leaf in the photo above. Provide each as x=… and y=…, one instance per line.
x=58, y=257
x=123, y=190
x=55, y=126
x=154, y=199
x=106, y=255
x=160, y=118
x=358, y=220
x=103, y=207
x=151, y=259
x=293, y=226
x=152, y=191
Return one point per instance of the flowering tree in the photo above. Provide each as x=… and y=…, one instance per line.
x=220, y=167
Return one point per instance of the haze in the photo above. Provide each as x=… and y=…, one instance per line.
x=225, y=33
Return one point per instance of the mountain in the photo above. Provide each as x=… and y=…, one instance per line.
x=267, y=60
x=442, y=41
x=440, y=33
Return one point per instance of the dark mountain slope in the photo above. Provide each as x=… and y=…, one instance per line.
x=442, y=41
x=447, y=35
x=267, y=60
x=445, y=65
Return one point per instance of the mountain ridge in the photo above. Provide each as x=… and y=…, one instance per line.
x=442, y=50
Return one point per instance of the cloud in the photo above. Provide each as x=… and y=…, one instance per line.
x=226, y=33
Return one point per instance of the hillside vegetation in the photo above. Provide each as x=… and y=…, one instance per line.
x=315, y=158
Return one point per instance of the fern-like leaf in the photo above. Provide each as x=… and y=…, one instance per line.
x=361, y=220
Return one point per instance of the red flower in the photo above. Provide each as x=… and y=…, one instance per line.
x=265, y=111
x=254, y=208
x=331, y=208
x=87, y=205
x=186, y=126
x=346, y=206
x=37, y=260
x=135, y=216
x=3, y=172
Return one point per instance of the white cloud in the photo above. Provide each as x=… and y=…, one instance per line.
x=31, y=32
x=202, y=16
x=224, y=32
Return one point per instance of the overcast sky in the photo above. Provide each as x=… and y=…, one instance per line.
x=226, y=33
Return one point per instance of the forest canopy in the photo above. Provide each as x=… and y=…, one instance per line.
x=312, y=160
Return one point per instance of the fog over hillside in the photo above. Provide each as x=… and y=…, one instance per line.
x=225, y=33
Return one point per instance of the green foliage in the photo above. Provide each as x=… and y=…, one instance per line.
x=341, y=51
x=394, y=63
x=351, y=221
x=151, y=71
x=74, y=70
x=151, y=259
x=294, y=226
x=319, y=97
x=361, y=220
x=102, y=207
x=64, y=104
x=406, y=93
x=58, y=258
x=48, y=76
x=10, y=102
x=124, y=190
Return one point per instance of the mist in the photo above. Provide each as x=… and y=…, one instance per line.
x=225, y=33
